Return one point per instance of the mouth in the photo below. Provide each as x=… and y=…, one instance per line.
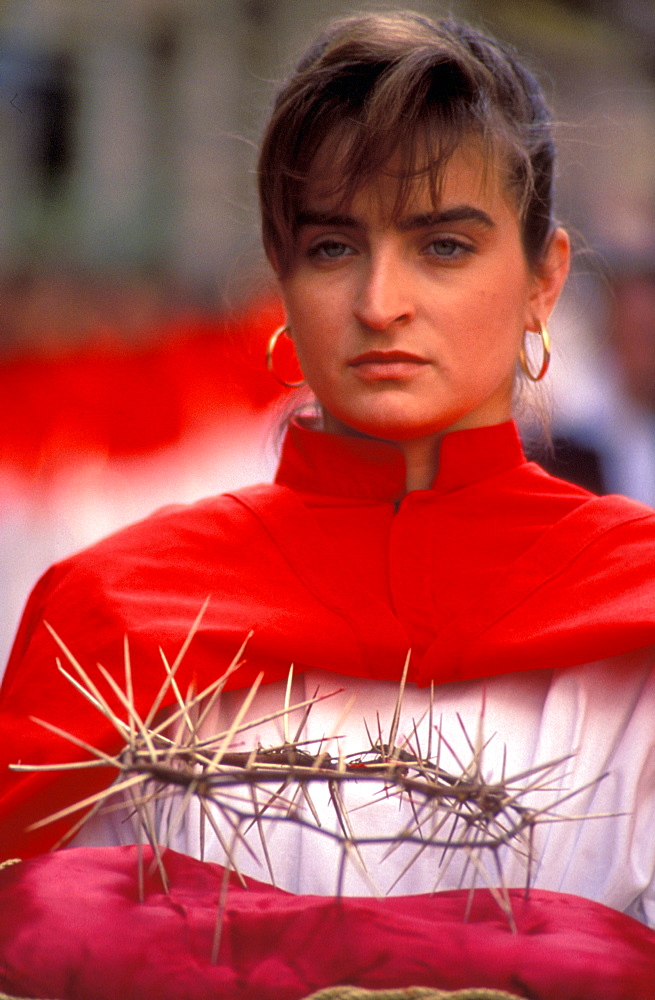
x=386, y=358
x=376, y=365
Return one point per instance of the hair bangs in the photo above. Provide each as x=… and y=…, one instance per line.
x=396, y=95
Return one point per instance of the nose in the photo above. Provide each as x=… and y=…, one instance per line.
x=384, y=298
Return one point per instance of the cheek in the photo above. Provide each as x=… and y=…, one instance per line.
x=304, y=309
x=488, y=348
x=504, y=318
x=317, y=328
x=315, y=348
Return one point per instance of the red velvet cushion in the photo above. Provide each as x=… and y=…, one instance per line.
x=71, y=927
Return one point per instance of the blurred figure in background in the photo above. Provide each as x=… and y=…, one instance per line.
x=612, y=450
x=628, y=453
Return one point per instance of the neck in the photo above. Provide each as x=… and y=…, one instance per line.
x=421, y=461
x=421, y=454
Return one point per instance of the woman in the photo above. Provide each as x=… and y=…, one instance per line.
x=406, y=191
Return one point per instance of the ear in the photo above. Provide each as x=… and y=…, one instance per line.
x=549, y=278
x=273, y=261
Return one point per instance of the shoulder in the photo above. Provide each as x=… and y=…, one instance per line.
x=175, y=549
x=204, y=524
x=584, y=591
x=539, y=481
x=616, y=542
x=560, y=498
x=581, y=528
x=155, y=574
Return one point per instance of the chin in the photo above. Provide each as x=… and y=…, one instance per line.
x=392, y=420
x=395, y=431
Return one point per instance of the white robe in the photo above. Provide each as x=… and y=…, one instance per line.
x=603, y=713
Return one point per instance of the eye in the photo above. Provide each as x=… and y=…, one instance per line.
x=329, y=250
x=448, y=247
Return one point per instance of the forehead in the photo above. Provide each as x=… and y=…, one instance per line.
x=468, y=175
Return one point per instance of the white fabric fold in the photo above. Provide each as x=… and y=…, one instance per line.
x=602, y=847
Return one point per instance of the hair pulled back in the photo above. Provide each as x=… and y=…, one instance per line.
x=399, y=85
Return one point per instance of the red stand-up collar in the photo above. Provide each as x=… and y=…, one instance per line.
x=314, y=461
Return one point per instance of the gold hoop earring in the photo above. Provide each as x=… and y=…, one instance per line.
x=545, y=360
x=270, y=347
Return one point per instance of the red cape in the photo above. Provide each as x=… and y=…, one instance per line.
x=582, y=591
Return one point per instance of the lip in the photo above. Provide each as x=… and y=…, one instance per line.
x=374, y=365
x=386, y=358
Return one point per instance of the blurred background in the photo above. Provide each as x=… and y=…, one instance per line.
x=134, y=300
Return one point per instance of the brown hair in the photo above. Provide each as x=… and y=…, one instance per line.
x=398, y=83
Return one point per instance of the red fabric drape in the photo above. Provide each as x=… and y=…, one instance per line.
x=72, y=928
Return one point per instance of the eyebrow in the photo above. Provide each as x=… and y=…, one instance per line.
x=459, y=213
x=420, y=220
x=310, y=218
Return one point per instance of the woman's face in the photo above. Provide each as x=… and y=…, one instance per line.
x=408, y=327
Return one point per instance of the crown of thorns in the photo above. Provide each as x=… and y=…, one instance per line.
x=450, y=812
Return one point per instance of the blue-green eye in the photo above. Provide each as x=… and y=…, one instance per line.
x=329, y=250
x=448, y=247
